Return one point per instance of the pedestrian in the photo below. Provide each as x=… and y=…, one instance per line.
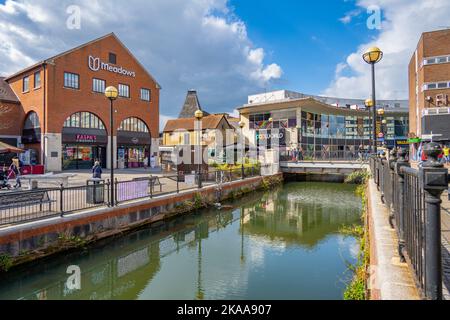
x=4, y=179
x=97, y=170
x=145, y=163
x=153, y=161
x=15, y=168
x=300, y=154
x=446, y=154
x=360, y=152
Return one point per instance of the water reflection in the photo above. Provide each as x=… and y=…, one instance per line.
x=271, y=246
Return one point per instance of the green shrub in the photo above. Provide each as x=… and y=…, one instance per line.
x=6, y=262
x=358, y=177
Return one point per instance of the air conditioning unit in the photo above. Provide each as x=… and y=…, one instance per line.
x=441, y=100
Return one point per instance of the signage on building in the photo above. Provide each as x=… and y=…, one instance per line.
x=272, y=137
x=402, y=142
x=95, y=64
x=89, y=138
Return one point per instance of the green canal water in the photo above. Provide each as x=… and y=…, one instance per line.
x=281, y=244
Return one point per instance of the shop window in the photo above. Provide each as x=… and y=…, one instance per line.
x=32, y=121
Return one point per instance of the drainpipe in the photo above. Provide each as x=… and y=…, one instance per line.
x=44, y=142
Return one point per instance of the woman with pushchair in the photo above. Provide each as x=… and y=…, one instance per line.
x=4, y=179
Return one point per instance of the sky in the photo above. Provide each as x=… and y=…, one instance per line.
x=229, y=49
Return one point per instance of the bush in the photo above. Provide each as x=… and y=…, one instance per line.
x=5, y=262
x=358, y=177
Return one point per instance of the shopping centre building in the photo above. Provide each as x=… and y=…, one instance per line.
x=57, y=111
x=287, y=119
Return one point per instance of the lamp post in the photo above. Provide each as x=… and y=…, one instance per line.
x=199, y=116
x=369, y=104
x=372, y=57
x=242, y=125
x=111, y=93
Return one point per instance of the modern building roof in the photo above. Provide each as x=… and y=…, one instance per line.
x=309, y=105
x=191, y=105
x=112, y=34
x=188, y=124
x=282, y=95
x=6, y=93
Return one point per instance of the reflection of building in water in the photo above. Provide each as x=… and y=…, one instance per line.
x=304, y=220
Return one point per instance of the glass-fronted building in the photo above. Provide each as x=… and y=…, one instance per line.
x=319, y=128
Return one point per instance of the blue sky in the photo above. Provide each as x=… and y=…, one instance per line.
x=306, y=38
x=229, y=49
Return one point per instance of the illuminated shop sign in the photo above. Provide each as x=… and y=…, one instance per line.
x=86, y=138
x=95, y=64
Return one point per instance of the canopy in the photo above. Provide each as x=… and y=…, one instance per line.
x=6, y=148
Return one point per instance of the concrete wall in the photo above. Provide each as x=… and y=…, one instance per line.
x=42, y=238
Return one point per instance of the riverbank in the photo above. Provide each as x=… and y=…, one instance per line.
x=27, y=242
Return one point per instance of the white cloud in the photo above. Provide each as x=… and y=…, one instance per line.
x=349, y=16
x=404, y=21
x=163, y=120
x=185, y=44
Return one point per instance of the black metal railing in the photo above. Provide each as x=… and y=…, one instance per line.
x=24, y=206
x=291, y=156
x=413, y=197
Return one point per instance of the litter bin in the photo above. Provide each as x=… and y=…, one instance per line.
x=95, y=191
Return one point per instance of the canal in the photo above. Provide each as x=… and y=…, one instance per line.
x=283, y=244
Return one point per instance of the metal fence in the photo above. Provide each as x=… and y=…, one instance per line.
x=23, y=206
x=413, y=197
x=324, y=156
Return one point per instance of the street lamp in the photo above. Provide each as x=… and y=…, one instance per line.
x=242, y=125
x=372, y=57
x=199, y=116
x=369, y=104
x=111, y=93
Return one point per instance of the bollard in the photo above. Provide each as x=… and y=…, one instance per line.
x=434, y=180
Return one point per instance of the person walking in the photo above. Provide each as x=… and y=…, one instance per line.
x=15, y=168
x=446, y=154
x=97, y=170
x=300, y=154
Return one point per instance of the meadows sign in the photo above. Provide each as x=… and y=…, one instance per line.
x=95, y=64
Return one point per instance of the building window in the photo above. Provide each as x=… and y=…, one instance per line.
x=71, y=80
x=37, y=80
x=26, y=84
x=32, y=121
x=85, y=120
x=133, y=125
x=436, y=60
x=145, y=94
x=98, y=85
x=124, y=91
x=112, y=58
x=436, y=85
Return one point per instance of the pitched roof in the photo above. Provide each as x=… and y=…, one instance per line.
x=191, y=105
x=112, y=34
x=208, y=122
x=6, y=93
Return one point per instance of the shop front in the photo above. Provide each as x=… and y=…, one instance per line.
x=81, y=148
x=133, y=149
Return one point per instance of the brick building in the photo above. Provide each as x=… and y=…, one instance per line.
x=61, y=116
x=429, y=87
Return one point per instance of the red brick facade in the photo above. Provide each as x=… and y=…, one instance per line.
x=54, y=103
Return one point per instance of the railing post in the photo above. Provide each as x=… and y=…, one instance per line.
x=61, y=199
x=390, y=193
x=178, y=182
x=115, y=184
x=399, y=208
x=434, y=180
x=108, y=193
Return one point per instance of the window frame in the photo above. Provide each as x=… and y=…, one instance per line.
x=72, y=74
x=112, y=54
x=27, y=78
x=122, y=85
x=93, y=86
x=149, y=91
x=40, y=80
